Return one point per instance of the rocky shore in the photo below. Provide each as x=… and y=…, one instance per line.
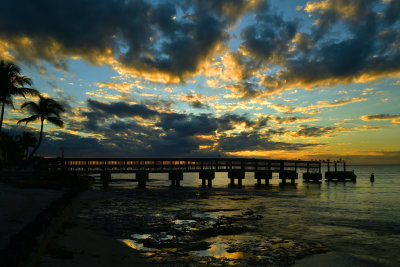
x=160, y=232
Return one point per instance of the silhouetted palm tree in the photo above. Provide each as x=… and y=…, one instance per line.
x=45, y=109
x=10, y=149
x=27, y=140
x=12, y=83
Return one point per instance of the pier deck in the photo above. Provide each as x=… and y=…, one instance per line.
x=159, y=165
x=175, y=167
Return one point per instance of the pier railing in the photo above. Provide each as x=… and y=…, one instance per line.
x=133, y=165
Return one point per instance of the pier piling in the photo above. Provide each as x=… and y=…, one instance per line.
x=239, y=175
x=262, y=175
x=142, y=177
x=206, y=176
x=288, y=175
x=175, y=177
x=312, y=177
x=105, y=177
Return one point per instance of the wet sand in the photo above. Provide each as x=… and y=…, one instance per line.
x=75, y=244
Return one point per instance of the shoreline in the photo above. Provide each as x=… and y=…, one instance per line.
x=78, y=244
x=75, y=244
x=81, y=243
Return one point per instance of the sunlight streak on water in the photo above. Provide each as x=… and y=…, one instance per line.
x=219, y=251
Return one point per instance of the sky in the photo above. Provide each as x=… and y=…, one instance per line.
x=279, y=79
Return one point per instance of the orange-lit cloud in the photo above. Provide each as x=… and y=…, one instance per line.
x=313, y=109
x=123, y=87
x=395, y=118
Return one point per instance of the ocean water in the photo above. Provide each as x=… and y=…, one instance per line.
x=360, y=220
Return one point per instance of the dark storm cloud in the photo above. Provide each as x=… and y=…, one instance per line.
x=172, y=134
x=142, y=35
x=121, y=109
x=306, y=131
x=231, y=9
x=100, y=112
x=188, y=125
x=350, y=40
x=268, y=39
x=228, y=121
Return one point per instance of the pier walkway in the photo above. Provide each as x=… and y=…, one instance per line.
x=206, y=167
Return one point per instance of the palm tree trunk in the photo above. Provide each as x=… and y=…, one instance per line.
x=40, y=139
x=2, y=114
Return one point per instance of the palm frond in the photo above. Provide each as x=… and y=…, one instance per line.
x=23, y=91
x=56, y=121
x=32, y=107
x=29, y=119
x=8, y=102
x=21, y=80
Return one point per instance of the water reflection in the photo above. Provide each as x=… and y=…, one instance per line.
x=219, y=251
x=135, y=245
x=357, y=217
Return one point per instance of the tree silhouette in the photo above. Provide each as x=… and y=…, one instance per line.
x=9, y=148
x=27, y=140
x=46, y=109
x=12, y=83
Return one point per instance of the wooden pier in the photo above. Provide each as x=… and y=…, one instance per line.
x=175, y=167
x=339, y=176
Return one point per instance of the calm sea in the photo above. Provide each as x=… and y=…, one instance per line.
x=360, y=219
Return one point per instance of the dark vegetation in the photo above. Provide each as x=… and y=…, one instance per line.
x=14, y=149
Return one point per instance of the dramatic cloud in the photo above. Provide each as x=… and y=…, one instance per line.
x=207, y=77
x=306, y=131
x=395, y=118
x=313, y=109
x=134, y=129
x=243, y=90
x=367, y=48
x=197, y=100
x=165, y=41
x=121, y=109
x=293, y=119
x=255, y=141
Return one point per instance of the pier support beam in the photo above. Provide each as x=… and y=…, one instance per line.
x=288, y=175
x=312, y=177
x=105, y=177
x=206, y=176
x=263, y=175
x=239, y=175
x=142, y=178
x=175, y=177
x=341, y=176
